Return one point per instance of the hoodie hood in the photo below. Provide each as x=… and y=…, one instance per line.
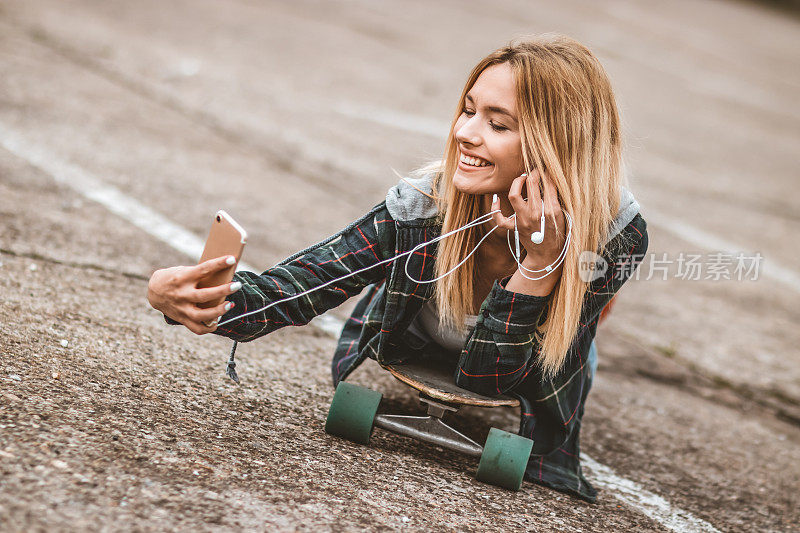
x=408, y=201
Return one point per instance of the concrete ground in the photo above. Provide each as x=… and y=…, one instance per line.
x=278, y=112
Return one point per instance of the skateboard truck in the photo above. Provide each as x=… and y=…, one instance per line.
x=430, y=428
x=353, y=415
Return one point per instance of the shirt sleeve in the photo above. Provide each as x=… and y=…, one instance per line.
x=499, y=352
x=361, y=246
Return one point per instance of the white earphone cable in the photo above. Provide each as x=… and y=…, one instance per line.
x=478, y=221
x=549, y=269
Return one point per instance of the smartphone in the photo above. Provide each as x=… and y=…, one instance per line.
x=226, y=237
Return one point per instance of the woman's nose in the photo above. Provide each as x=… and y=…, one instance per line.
x=467, y=133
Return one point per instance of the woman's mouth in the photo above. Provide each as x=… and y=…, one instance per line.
x=473, y=162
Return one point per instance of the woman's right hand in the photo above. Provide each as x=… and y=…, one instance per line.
x=174, y=292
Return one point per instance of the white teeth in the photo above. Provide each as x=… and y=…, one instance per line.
x=474, y=161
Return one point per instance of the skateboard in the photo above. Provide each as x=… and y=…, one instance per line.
x=353, y=415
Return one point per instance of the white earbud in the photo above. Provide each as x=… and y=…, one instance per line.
x=538, y=236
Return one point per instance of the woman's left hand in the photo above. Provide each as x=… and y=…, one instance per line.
x=528, y=213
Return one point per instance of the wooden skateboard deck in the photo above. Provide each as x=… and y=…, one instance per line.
x=436, y=381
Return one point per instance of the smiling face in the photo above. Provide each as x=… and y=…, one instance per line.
x=487, y=132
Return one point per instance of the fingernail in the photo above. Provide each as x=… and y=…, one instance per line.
x=494, y=198
x=230, y=260
x=235, y=286
x=228, y=306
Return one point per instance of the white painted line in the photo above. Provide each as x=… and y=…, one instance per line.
x=186, y=242
x=706, y=240
x=421, y=125
x=330, y=324
x=651, y=505
x=393, y=119
x=109, y=197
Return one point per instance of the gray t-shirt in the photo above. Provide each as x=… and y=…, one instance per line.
x=426, y=326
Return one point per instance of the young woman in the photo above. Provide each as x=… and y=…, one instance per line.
x=536, y=132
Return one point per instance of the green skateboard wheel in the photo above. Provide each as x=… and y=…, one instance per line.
x=352, y=412
x=504, y=459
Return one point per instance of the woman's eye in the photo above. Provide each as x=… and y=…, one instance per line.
x=496, y=127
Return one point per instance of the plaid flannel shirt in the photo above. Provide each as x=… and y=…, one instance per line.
x=500, y=355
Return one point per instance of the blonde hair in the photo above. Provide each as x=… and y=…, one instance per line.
x=570, y=127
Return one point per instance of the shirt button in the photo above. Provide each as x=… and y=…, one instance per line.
x=485, y=313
